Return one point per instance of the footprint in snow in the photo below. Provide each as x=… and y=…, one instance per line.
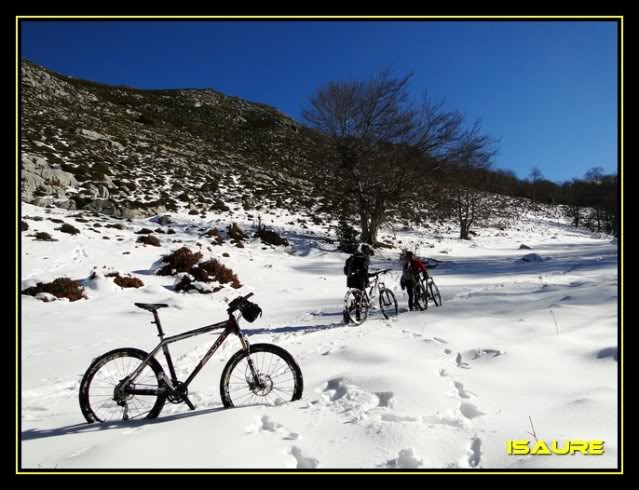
x=461, y=392
x=475, y=452
x=470, y=410
x=460, y=362
x=266, y=424
x=303, y=462
x=406, y=459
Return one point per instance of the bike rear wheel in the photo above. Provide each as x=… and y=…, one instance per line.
x=279, y=378
x=99, y=400
x=388, y=304
x=356, y=306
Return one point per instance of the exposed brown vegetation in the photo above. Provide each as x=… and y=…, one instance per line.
x=179, y=261
x=213, y=270
x=186, y=284
x=215, y=234
x=44, y=237
x=271, y=237
x=236, y=233
x=125, y=281
x=183, y=260
x=149, y=240
x=67, y=228
x=62, y=287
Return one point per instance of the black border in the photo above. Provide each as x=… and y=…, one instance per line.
x=340, y=471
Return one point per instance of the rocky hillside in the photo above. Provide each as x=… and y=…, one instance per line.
x=135, y=153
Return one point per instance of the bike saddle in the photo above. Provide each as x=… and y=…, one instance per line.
x=151, y=306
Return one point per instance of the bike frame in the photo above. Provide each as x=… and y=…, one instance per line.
x=380, y=286
x=231, y=326
x=376, y=285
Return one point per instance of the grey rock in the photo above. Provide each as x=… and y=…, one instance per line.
x=163, y=220
x=69, y=204
x=42, y=201
x=37, y=175
x=104, y=206
x=139, y=213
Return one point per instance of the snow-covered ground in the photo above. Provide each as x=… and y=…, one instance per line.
x=444, y=388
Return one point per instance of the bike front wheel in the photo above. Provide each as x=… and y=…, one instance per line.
x=420, y=299
x=101, y=402
x=388, y=304
x=279, y=378
x=356, y=306
x=434, y=293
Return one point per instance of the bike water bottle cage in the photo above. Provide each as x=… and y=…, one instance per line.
x=250, y=311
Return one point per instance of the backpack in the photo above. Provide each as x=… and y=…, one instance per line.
x=347, y=265
x=354, y=264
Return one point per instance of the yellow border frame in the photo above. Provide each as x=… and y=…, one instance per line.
x=325, y=17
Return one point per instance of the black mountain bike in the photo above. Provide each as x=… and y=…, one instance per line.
x=358, y=302
x=129, y=383
x=426, y=290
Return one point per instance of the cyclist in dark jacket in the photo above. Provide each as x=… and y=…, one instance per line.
x=357, y=267
x=412, y=267
x=356, y=270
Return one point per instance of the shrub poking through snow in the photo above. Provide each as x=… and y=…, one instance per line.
x=24, y=226
x=213, y=270
x=149, y=240
x=186, y=283
x=193, y=273
x=43, y=236
x=179, y=261
x=218, y=205
x=126, y=281
x=117, y=226
x=62, y=287
x=67, y=228
x=271, y=237
x=144, y=231
x=215, y=234
x=236, y=233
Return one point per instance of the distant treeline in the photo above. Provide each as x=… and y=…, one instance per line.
x=382, y=153
x=592, y=201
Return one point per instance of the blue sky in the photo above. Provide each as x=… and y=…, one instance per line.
x=547, y=89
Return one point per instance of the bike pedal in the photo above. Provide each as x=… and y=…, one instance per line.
x=189, y=404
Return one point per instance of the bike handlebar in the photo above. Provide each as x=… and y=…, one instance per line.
x=376, y=273
x=237, y=303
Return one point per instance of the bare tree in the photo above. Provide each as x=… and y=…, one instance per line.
x=471, y=180
x=594, y=197
x=535, y=176
x=382, y=143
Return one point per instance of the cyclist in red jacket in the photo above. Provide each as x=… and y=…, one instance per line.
x=412, y=267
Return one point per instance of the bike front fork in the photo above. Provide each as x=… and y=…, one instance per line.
x=247, y=347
